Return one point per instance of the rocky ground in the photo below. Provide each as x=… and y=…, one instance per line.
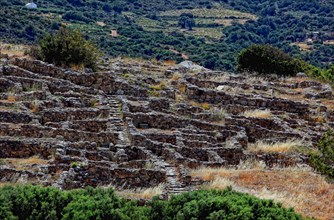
x=139, y=124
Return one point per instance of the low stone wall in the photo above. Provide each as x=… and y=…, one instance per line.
x=55, y=115
x=219, y=97
x=104, y=81
x=119, y=177
x=24, y=148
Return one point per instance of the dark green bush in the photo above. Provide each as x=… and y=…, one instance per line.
x=34, y=202
x=214, y=205
x=323, y=161
x=186, y=20
x=266, y=59
x=67, y=48
x=39, y=203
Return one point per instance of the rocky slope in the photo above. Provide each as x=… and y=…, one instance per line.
x=138, y=124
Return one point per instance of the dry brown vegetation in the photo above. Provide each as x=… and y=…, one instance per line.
x=204, y=105
x=258, y=113
x=169, y=62
x=307, y=192
x=175, y=77
x=23, y=163
x=11, y=98
x=218, y=183
x=35, y=106
x=328, y=103
x=278, y=147
x=209, y=13
x=146, y=194
x=303, y=46
x=14, y=50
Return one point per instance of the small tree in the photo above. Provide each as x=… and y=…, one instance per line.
x=323, y=161
x=266, y=59
x=186, y=20
x=67, y=48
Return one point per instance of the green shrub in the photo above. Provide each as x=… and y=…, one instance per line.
x=74, y=165
x=186, y=20
x=328, y=74
x=266, y=59
x=40, y=203
x=35, y=202
x=214, y=205
x=323, y=160
x=67, y=48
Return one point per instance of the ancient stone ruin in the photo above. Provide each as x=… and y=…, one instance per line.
x=140, y=124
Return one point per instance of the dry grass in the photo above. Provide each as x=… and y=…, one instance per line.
x=11, y=98
x=320, y=119
x=179, y=98
x=2, y=184
x=279, y=147
x=232, y=90
x=23, y=163
x=208, y=173
x=258, y=114
x=209, y=13
x=169, y=62
x=218, y=183
x=15, y=50
x=160, y=86
x=307, y=192
x=146, y=194
x=35, y=106
x=329, y=42
x=304, y=46
x=296, y=79
x=215, y=33
x=175, y=77
x=149, y=165
x=328, y=103
x=251, y=164
x=221, y=78
x=218, y=115
x=182, y=88
x=292, y=97
x=101, y=23
x=77, y=67
x=204, y=105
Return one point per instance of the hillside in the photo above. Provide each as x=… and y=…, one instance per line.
x=151, y=30
x=145, y=110
x=137, y=124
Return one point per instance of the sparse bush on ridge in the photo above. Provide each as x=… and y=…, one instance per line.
x=266, y=59
x=67, y=48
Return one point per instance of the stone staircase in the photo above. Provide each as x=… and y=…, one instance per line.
x=174, y=186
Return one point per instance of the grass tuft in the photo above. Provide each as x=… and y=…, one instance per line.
x=146, y=193
x=279, y=147
x=258, y=114
x=162, y=85
x=220, y=183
